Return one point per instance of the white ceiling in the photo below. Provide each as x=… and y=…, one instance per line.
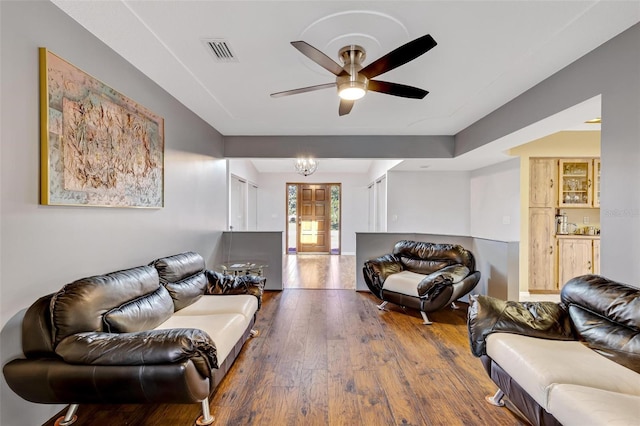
x=488, y=52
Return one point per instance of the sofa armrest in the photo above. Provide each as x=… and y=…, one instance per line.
x=141, y=348
x=486, y=315
x=432, y=284
x=224, y=284
x=465, y=286
x=377, y=270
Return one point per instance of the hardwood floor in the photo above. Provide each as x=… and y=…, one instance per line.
x=330, y=357
x=313, y=271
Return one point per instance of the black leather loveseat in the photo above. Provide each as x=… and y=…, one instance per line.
x=421, y=275
x=166, y=332
x=572, y=363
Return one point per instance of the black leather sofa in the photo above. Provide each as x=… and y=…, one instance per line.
x=166, y=332
x=572, y=363
x=421, y=275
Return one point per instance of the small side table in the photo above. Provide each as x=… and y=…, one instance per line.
x=247, y=267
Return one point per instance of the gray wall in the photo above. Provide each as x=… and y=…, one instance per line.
x=244, y=246
x=44, y=247
x=339, y=146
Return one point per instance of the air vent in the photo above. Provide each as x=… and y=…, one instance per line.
x=221, y=50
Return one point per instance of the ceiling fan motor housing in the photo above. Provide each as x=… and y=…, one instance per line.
x=352, y=85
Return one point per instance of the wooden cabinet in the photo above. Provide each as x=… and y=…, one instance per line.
x=579, y=182
x=543, y=178
x=542, y=253
x=554, y=184
x=576, y=256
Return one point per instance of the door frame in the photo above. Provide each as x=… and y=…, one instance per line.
x=286, y=209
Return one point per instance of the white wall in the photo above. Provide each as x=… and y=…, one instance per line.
x=237, y=203
x=45, y=247
x=243, y=168
x=428, y=202
x=495, y=201
x=272, y=202
x=450, y=203
x=379, y=168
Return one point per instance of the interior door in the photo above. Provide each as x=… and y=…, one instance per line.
x=314, y=219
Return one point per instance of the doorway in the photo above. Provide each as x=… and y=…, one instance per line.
x=313, y=218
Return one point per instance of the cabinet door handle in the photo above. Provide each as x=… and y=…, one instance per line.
x=551, y=183
x=589, y=265
x=550, y=249
x=589, y=183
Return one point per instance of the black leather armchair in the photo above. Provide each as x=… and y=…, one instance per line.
x=421, y=275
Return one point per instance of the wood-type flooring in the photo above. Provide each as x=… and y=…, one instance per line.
x=330, y=357
x=314, y=271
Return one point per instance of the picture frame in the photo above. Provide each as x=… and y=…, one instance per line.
x=98, y=148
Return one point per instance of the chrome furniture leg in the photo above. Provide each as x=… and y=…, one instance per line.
x=206, y=418
x=454, y=306
x=254, y=332
x=69, y=418
x=496, y=399
x=382, y=305
x=425, y=318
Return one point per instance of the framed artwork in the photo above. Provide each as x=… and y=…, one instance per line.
x=97, y=147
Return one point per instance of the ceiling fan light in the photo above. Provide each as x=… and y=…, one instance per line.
x=352, y=90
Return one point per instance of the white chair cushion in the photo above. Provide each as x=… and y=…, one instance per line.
x=537, y=364
x=405, y=282
x=579, y=406
x=224, y=329
x=246, y=305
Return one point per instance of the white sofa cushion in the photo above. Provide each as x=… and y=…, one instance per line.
x=224, y=329
x=537, y=364
x=580, y=405
x=405, y=282
x=244, y=304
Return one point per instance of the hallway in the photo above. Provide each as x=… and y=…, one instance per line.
x=319, y=271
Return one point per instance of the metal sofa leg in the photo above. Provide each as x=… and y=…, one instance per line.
x=454, y=306
x=69, y=418
x=254, y=332
x=206, y=418
x=496, y=399
x=425, y=318
x=382, y=305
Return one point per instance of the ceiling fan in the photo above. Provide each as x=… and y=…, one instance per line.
x=353, y=81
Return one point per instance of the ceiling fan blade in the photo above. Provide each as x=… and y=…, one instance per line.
x=303, y=90
x=400, y=56
x=345, y=107
x=318, y=57
x=396, y=89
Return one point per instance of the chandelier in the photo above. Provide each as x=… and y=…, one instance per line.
x=306, y=166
